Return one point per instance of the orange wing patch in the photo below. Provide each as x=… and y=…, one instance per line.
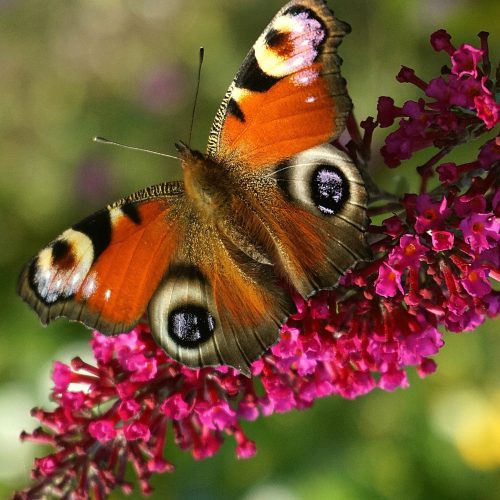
x=301, y=242
x=281, y=122
x=124, y=277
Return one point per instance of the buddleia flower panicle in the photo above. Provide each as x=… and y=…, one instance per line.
x=435, y=254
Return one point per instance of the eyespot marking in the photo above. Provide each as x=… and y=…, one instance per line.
x=62, y=256
x=275, y=38
x=293, y=43
x=191, y=325
x=329, y=189
x=279, y=42
x=58, y=271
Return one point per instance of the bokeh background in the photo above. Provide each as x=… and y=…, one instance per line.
x=70, y=70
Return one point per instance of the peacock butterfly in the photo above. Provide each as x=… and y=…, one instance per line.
x=270, y=200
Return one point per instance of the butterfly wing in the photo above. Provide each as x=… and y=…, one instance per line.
x=314, y=213
x=209, y=304
x=103, y=271
x=288, y=95
x=216, y=305
x=220, y=301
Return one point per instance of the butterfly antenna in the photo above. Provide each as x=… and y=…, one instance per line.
x=102, y=140
x=200, y=63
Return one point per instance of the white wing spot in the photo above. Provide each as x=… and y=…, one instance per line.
x=304, y=78
x=89, y=285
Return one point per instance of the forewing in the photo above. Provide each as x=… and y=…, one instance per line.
x=103, y=271
x=288, y=95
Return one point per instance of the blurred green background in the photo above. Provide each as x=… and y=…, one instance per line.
x=70, y=70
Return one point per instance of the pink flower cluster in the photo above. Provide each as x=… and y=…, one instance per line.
x=462, y=103
x=434, y=259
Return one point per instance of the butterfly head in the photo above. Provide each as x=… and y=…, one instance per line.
x=202, y=179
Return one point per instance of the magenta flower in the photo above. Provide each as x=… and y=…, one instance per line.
x=430, y=214
x=465, y=60
x=136, y=431
x=448, y=173
x=388, y=282
x=469, y=204
x=47, y=465
x=466, y=85
x=128, y=409
x=481, y=231
x=102, y=430
x=441, y=40
x=175, y=407
x=387, y=112
x=487, y=110
x=490, y=153
x=61, y=376
x=442, y=240
x=435, y=255
x=245, y=448
x=476, y=282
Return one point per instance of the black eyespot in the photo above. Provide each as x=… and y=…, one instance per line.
x=190, y=326
x=329, y=189
x=275, y=38
x=60, y=251
x=62, y=255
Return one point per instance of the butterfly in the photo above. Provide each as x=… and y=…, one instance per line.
x=271, y=202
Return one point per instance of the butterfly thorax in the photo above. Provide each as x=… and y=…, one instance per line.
x=205, y=182
x=222, y=195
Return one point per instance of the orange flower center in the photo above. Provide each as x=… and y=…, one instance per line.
x=410, y=249
x=477, y=227
x=473, y=276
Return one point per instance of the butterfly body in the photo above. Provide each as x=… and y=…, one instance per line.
x=270, y=203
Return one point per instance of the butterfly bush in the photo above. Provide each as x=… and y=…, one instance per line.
x=435, y=256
